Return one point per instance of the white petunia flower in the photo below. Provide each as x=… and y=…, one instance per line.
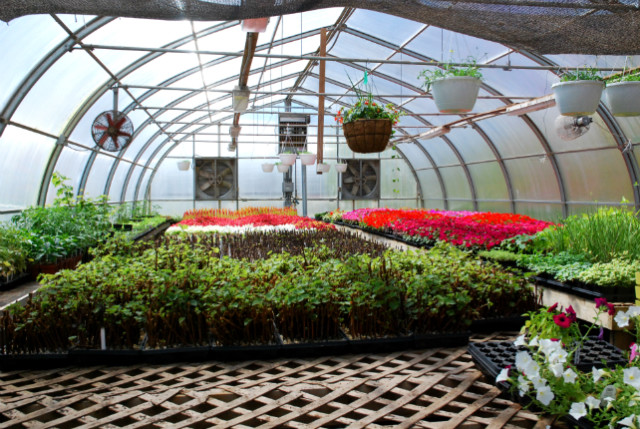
x=628, y=421
x=538, y=382
x=592, y=402
x=523, y=385
x=633, y=311
x=569, y=376
x=534, y=342
x=520, y=341
x=622, y=319
x=632, y=376
x=545, y=395
x=503, y=376
x=558, y=356
x=557, y=369
x=597, y=373
x=523, y=359
x=578, y=410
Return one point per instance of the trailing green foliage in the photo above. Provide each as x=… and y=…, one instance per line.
x=13, y=252
x=185, y=292
x=447, y=70
x=588, y=73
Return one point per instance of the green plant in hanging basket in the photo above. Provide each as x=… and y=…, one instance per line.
x=588, y=73
x=447, y=70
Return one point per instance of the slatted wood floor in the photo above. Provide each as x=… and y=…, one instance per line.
x=434, y=388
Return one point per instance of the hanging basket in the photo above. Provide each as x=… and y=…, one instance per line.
x=267, y=167
x=367, y=135
x=184, y=165
x=287, y=158
x=578, y=97
x=455, y=94
x=282, y=168
x=308, y=158
x=623, y=98
x=341, y=167
x=323, y=168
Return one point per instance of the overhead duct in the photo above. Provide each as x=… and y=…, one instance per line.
x=241, y=93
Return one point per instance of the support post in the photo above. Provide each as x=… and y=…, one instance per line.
x=323, y=53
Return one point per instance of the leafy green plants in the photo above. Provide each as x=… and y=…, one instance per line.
x=586, y=73
x=447, y=70
x=13, y=253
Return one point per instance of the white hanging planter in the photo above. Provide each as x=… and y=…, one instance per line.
x=623, y=98
x=341, y=167
x=184, y=165
x=323, y=168
x=455, y=94
x=578, y=97
x=282, y=168
x=288, y=158
x=267, y=167
x=308, y=158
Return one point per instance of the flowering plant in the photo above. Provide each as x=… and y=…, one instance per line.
x=544, y=371
x=366, y=108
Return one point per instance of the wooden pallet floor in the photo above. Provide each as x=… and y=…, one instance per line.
x=434, y=388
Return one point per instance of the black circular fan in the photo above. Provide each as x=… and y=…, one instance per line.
x=215, y=179
x=112, y=132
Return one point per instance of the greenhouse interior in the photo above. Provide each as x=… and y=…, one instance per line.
x=294, y=214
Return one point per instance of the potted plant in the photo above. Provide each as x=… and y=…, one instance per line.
x=622, y=94
x=578, y=93
x=341, y=167
x=267, y=167
x=454, y=89
x=307, y=158
x=287, y=158
x=322, y=167
x=282, y=168
x=367, y=125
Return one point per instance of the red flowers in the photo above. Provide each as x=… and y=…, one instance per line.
x=465, y=229
x=562, y=320
x=253, y=216
x=602, y=302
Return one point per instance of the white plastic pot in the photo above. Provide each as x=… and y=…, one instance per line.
x=308, y=158
x=288, y=158
x=184, y=165
x=323, y=168
x=578, y=97
x=267, y=167
x=283, y=168
x=341, y=167
x=455, y=94
x=623, y=98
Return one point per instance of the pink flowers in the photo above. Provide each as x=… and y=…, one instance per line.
x=463, y=228
x=602, y=302
x=260, y=219
x=562, y=320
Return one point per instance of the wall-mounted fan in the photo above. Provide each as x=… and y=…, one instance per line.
x=361, y=180
x=215, y=178
x=112, y=131
x=571, y=127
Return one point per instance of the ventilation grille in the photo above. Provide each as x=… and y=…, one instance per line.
x=361, y=181
x=215, y=179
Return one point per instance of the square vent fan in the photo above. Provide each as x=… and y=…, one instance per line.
x=361, y=181
x=293, y=130
x=216, y=178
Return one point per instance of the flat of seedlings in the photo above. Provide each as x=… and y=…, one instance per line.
x=432, y=388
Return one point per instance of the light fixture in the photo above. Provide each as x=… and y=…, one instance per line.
x=240, y=98
x=234, y=131
x=531, y=105
x=256, y=25
x=435, y=132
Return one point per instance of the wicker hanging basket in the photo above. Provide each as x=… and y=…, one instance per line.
x=367, y=135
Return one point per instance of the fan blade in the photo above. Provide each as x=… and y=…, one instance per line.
x=368, y=178
x=122, y=133
x=206, y=185
x=348, y=180
x=100, y=127
x=115, y=142
x=353, y=170
x=224, y=172
x=355, y=189
x=103, y=139
x=109, y=119
x=225, y=184
x=120, y=122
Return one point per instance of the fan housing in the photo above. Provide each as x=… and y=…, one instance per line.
x=361, y=181
x=112, y=131
x=215, y=178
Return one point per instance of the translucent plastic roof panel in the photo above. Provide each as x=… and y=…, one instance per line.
x=133, y=180
x=348, y=45
x=511, y=136
x=533, y=179
x=440, y=151
x=386, y=27
x=455, y=182
x=19, y=43
x=161, y=68
x=444, y=45
x=587, y=176
x=170, y=183
x=470, y=144
x=71, y=164
x=518, y=82
x=405, y=72
x=68, y=82
x=24, y=158
x=489, y=181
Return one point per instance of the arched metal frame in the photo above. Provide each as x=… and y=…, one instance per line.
x=75, y=38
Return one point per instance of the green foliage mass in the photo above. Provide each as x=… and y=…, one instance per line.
x=184, y=292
